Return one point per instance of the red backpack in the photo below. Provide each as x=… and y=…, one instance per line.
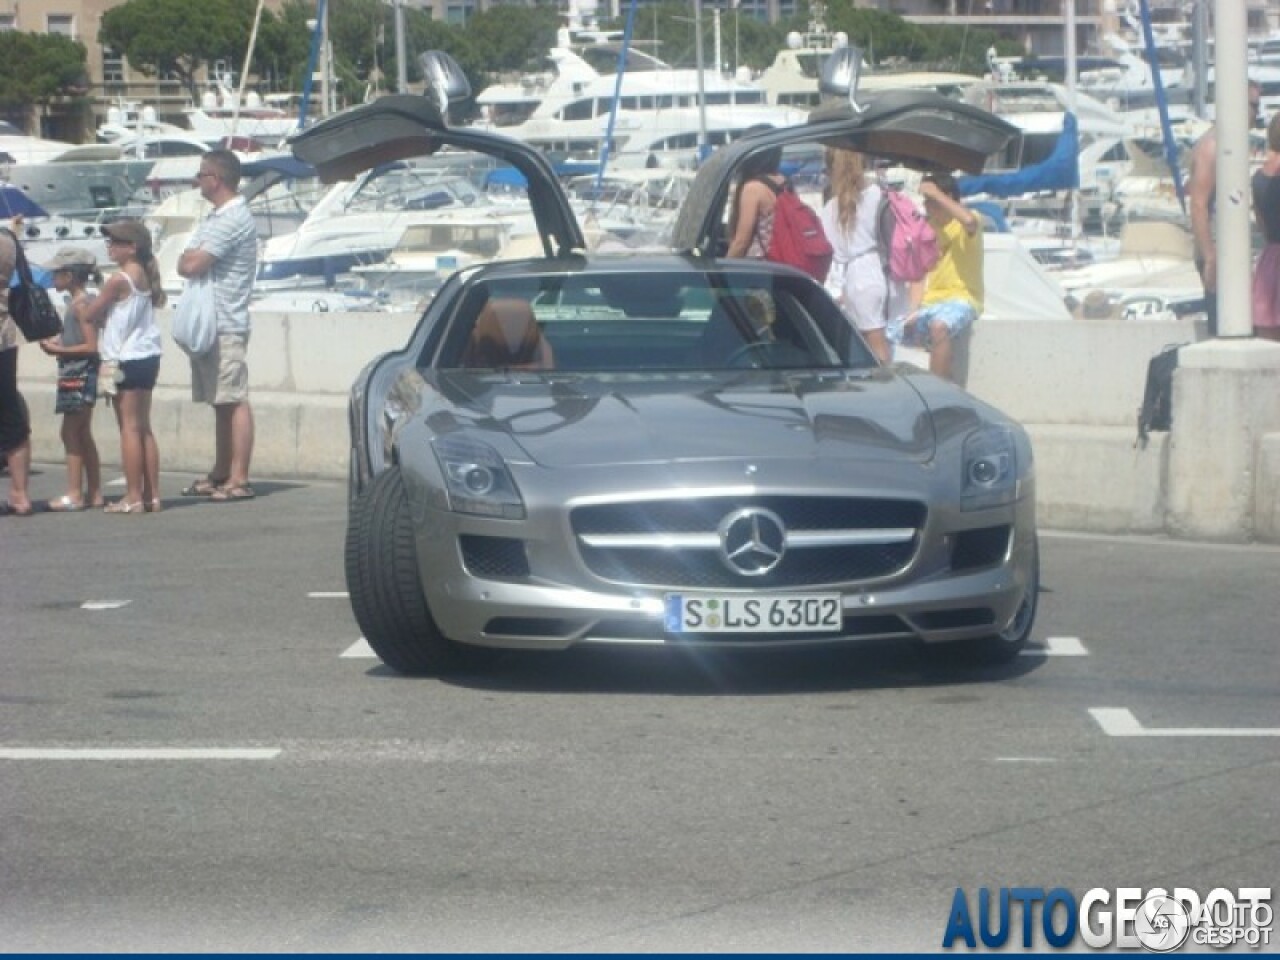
x=798, y=237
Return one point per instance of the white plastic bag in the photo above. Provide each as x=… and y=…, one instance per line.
x=195, y=319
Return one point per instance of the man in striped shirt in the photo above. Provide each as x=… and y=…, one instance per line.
x=226, y=246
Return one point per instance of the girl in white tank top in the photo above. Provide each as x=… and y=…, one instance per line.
x=131, y=340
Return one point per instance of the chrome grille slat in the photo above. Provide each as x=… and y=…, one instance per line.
x=710, y=541
x=676, y=543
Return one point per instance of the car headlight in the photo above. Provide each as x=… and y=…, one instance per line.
x=477, y=479
x=990, y=466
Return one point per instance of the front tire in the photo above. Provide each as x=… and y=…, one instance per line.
x=1004, y=646
x=384, y=581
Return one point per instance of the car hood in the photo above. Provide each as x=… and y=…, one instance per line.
x=588, y=421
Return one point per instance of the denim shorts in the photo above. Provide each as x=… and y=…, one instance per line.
x=139, y=374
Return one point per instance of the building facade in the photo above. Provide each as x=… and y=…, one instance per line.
x=112, y=82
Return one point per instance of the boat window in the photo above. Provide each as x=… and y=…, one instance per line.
x=578, y=110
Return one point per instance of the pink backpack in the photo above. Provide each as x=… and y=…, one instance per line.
x=908, y=245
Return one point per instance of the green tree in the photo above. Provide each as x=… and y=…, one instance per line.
x=179, y=36
x=38, y=68
x=283, y=46
x=512, y=37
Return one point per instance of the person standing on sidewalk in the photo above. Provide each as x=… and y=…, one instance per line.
x=225, y=245
x=15, y=427
x=1203, y=197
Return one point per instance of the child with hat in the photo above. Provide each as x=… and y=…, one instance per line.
x=73, y=269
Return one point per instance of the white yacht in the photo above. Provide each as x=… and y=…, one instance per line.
x=221, y=115
x=82, y=182
x=18, y=147
x=659, y=120
x=360, y=222
x=509, y=104
x=792, y=79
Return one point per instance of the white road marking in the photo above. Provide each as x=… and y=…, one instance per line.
x=1026, y=759
x=1057, y=647
x=104, y=604
x=1157, y=540
x=359, y=650
x=139, y=753
x=328, y=595
x=1119, y=722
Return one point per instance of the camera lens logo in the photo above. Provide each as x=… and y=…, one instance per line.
x=1161, y=924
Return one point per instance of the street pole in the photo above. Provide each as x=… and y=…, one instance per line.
x=1200, y=56
x=702, y=93
x=1073, y=104
x=1231, y=121
x=402, y=68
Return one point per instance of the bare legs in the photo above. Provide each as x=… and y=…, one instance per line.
x=84, y=473
x=879, y=344
x=234, y=451
x=139, y=454
x=940, y=350
x=19, y=463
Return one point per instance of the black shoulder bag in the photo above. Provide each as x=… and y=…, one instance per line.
x=29, y=303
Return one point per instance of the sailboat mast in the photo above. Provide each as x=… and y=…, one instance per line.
x=1069, y=54
x=244, y=72
x=702, y=93
x=317, y=41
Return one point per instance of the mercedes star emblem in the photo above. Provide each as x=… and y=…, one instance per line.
x=752, y=541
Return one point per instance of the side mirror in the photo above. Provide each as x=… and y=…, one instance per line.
x=445, y=81
x=840, y=73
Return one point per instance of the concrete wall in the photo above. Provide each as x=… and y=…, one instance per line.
x=1076, y=386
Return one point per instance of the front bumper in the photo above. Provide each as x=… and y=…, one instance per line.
x=559, y=604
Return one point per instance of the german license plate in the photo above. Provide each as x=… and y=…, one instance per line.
x=786, y=613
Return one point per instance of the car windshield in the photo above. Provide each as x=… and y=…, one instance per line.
x=640, y=321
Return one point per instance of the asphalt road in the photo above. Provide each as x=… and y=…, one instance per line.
x=279, y=790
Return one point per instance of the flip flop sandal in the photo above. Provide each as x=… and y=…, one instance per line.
x=9, y=510
x=65, y=504
x=204, y=487
x=121, y=507
x=230, y=494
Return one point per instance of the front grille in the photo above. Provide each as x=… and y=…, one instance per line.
x=856, y=519
x=527, y=627
x=704, y=569
x=494, y=558
x=955, y=619
x=798, y=513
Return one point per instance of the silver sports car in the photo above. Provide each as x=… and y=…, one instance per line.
x=671, y=448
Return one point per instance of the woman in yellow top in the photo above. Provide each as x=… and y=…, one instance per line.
x=953, y=291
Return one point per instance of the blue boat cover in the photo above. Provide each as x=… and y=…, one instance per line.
x=1058, y=171
x=15, y=203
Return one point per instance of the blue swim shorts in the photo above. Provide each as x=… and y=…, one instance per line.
x=957, y=315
